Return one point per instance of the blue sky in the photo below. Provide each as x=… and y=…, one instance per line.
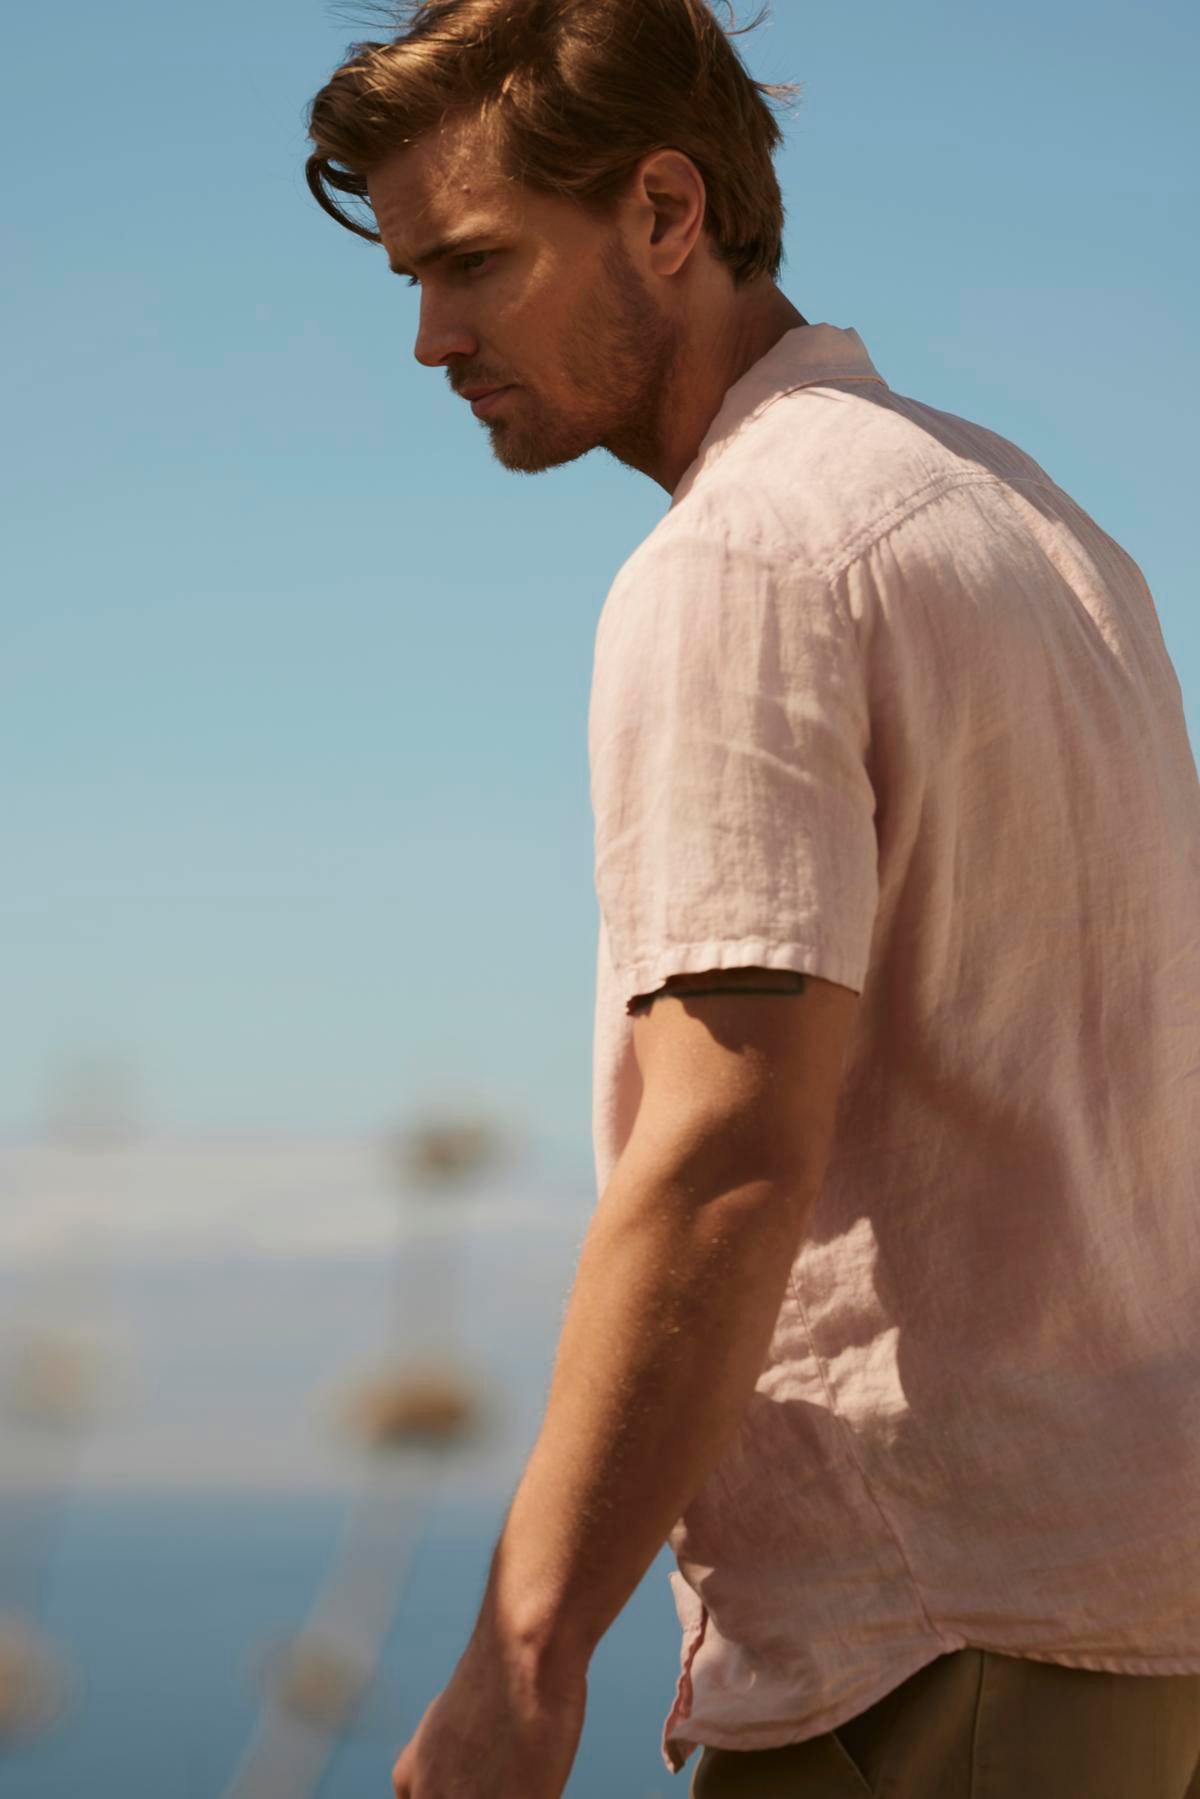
x=294, y=777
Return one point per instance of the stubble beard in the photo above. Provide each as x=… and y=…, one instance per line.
x=620, y=356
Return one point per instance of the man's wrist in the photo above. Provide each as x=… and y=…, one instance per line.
x=540, y=1643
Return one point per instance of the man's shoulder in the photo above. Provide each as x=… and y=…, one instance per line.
x=819, y=475
x=809, y=475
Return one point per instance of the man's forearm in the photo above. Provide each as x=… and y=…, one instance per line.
x=675, y=1301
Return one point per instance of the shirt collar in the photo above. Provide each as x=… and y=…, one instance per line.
x=809, y=356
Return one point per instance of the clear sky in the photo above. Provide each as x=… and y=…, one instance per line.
x=294, y=783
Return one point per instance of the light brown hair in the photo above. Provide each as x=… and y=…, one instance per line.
x=572, y=94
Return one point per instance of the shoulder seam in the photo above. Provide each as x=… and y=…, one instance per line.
x=865, y=540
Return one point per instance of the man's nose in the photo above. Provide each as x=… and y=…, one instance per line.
x=441, y=335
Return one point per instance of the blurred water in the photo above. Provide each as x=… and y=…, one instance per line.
x=180, y=1326
x=168, y=1606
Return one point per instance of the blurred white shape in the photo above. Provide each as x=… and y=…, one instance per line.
x=288, y=1197
x=230, y=1278
x=316, y=1683
x=409, y=1413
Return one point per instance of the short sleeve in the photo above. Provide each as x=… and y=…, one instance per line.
x=729, y=737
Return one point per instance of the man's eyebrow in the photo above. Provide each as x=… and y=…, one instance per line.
x=436, y=252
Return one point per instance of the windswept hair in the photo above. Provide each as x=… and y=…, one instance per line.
x=571, y=95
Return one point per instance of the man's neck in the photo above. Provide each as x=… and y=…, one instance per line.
x=708, y=374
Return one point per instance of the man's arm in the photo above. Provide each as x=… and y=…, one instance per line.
x=677, y=1293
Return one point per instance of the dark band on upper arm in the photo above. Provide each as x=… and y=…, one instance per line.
x=702, y=989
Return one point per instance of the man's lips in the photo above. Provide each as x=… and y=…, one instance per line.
x=488, y=403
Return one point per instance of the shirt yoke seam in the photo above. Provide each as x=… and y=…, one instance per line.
x=865, y=540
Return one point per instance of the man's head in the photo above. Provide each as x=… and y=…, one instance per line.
x=605, y=170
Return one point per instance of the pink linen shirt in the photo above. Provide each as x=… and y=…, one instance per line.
x=878, y=702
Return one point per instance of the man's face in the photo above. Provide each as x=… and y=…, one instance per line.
x=542, y=298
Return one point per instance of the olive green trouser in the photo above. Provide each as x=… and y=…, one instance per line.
x=978, y=1725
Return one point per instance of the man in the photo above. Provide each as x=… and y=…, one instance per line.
x=886, y=1318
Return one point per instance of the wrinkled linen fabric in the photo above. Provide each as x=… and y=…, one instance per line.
x=878, y=702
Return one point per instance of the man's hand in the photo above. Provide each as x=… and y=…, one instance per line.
x=498, y=1731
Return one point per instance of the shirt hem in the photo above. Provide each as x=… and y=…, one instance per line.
x=677, y=1750
x=651, y=972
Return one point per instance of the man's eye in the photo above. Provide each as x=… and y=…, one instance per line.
x=471, y=256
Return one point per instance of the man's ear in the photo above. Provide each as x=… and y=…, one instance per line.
x=673, y=201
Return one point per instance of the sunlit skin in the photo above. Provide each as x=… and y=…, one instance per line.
x=621, y=335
